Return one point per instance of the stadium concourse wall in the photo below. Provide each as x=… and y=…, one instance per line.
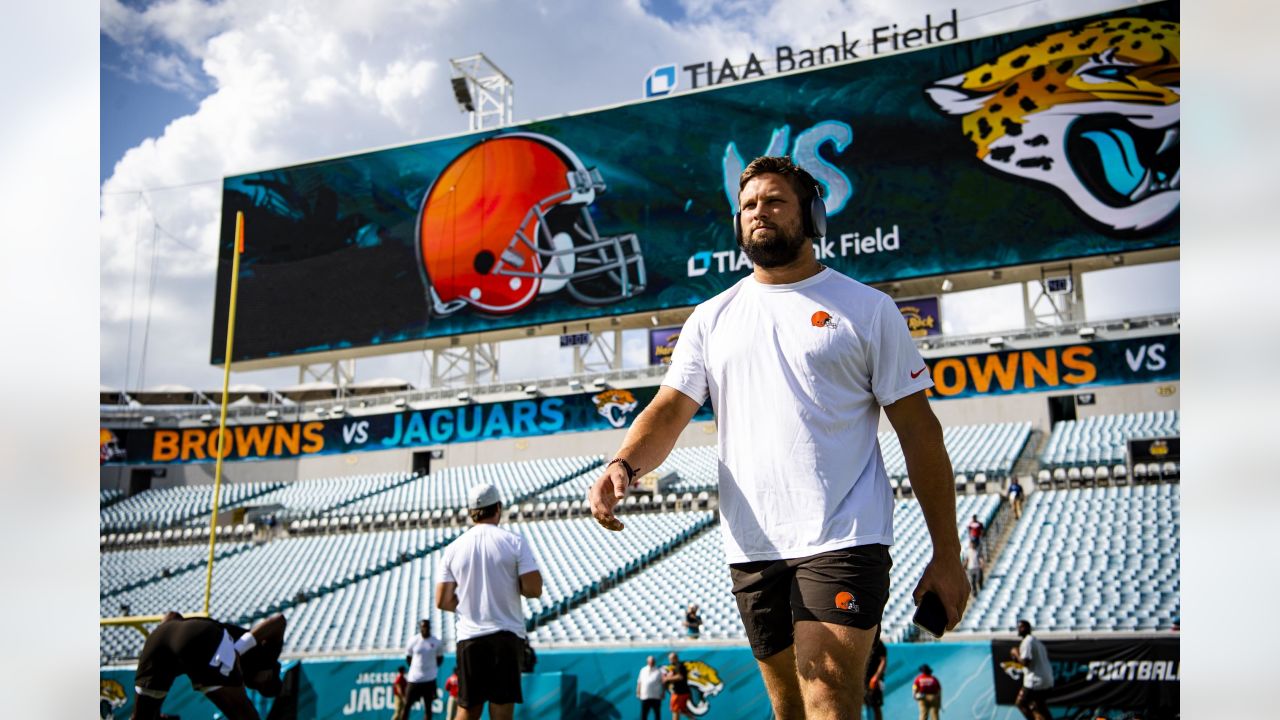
x=974, y=410
x=599, y=683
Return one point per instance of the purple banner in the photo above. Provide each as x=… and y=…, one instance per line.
x=662, y=342
x=922, y=316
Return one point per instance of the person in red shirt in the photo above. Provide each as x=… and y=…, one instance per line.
x=928, y=693
x=975, y=531
x=451, y=688
x=399, y=687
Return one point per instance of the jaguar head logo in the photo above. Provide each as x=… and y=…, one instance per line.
x=615, y=406
x=1092, y=111
x=1012, y=669
x=704, y=684
x=111, y=697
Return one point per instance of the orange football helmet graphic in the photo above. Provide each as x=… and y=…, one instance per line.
x=507, y=220
x=822, y=318
x=845, y=600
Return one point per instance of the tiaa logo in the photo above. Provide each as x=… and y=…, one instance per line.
x=615, y=406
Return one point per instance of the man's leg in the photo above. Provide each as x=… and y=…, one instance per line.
x=428, y=696
x=831, y=661
x=471, y=713
x=783, y=684
x=146, y=708
x=233, y=702
x=503, y=711
x=1024, y=705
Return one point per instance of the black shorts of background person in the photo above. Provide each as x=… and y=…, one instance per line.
x=185, y=646
x=489, y=670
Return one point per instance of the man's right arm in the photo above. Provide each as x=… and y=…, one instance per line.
x=646, y=445
x=531, y=584
x=447, y=596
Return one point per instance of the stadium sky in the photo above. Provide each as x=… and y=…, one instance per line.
x=193, y=91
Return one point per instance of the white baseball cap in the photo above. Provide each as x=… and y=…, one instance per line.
x=482, y=495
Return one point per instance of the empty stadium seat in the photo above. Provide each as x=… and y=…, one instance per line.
x=1119, y=474
x=1044, y=478
x=1060, y=477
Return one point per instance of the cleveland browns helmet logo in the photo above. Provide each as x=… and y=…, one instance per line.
x=846, y=601
x=822, y=318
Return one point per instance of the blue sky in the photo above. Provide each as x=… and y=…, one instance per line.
x=132, y=109
x=192, y=91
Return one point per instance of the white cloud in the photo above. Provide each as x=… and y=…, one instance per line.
x=285, y=82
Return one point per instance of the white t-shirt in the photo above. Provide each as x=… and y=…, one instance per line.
x=486, y=562
x=797, y=375
x=424, y=653
x=1037, y=673
x=650, y=682
x=972, y=558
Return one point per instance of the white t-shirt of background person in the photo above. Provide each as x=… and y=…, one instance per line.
x=650, y=682
x=486, y=562
x=424, y=653
x=797, y=374
x=1037, y=673
x=972, y=558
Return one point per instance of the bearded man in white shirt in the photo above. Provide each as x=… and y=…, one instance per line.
x=797, y=360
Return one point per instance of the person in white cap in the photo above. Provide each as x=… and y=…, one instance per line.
x=482, y=576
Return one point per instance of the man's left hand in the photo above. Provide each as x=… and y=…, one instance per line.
x=946, y=577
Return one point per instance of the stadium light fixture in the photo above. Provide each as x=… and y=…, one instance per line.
x=598, y=383
x=654, y=320
x=464, y=397
x=947, y=285
x=148, y=419
x=575, y=385
x=530, y=389
x=1087, y=333
x=206, y=418
x=273, y=414
x=337, y=410
x=400, y=402
x=996, y=341
x=462, y=94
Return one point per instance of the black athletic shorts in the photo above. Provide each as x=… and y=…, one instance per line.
x=844, y=587
x=489, y=669
x=873, y=697
x=185, y=647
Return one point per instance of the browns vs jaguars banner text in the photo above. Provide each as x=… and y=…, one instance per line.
x=1044, y=144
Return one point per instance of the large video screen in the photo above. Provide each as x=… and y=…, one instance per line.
x=1045, y=144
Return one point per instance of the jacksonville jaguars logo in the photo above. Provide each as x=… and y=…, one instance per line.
x=615, y=406
x=1013, y=670
x=704, y=684
x=111, y=698
x=1092, y=111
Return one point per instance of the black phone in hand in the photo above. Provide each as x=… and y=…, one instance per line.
x=930, y=615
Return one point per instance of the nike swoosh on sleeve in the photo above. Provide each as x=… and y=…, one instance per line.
x=916, y=374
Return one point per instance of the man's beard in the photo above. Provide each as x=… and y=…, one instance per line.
x=781, y=249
